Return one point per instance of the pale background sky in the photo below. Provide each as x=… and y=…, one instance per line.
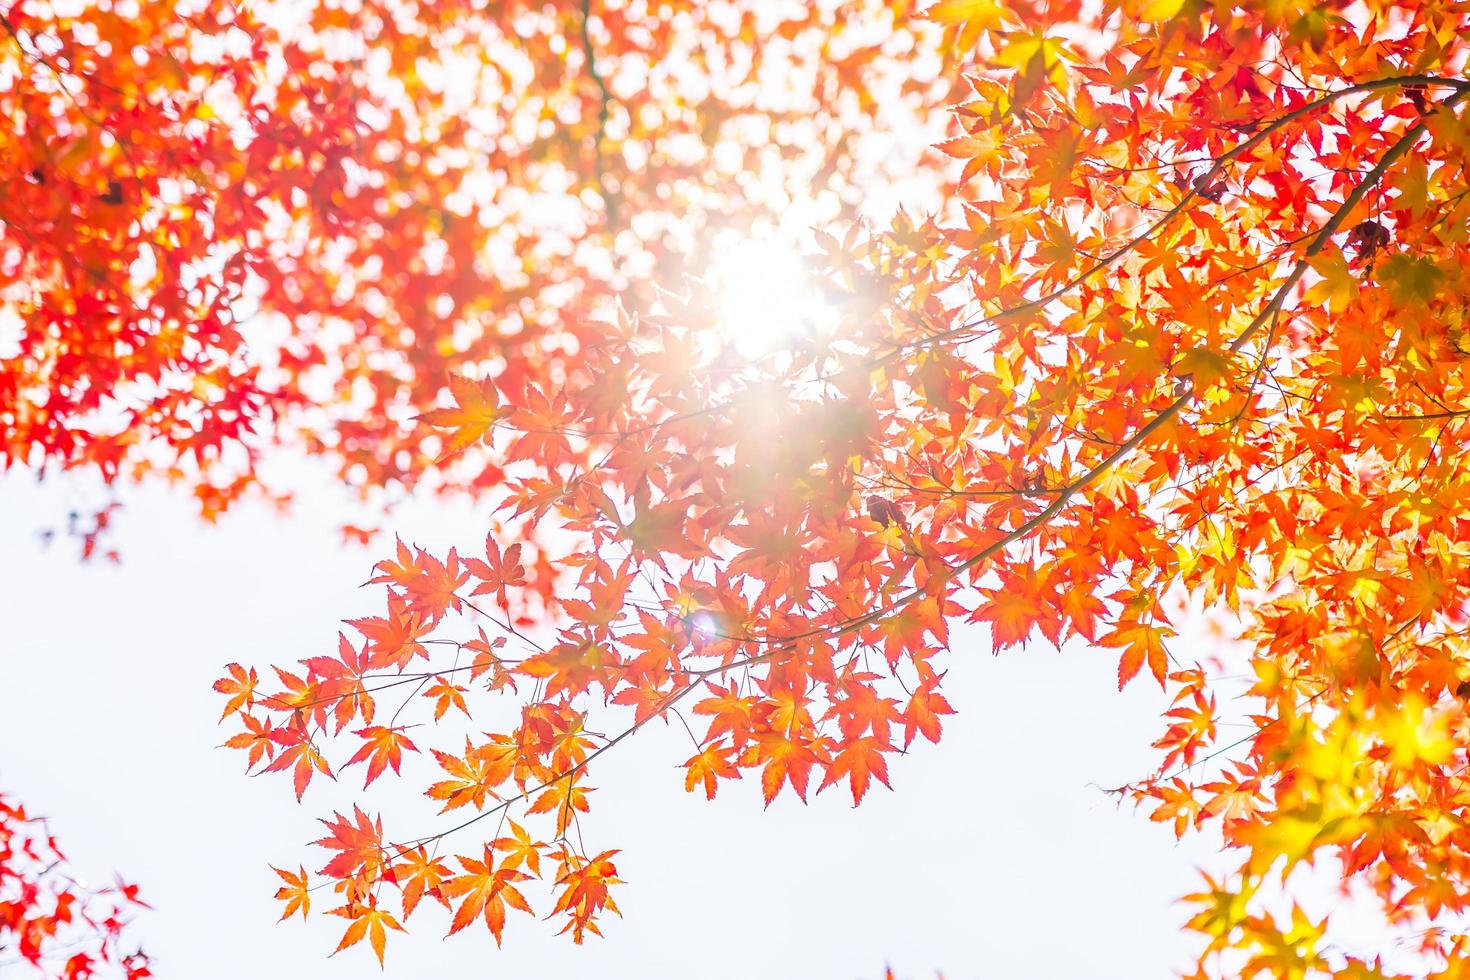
x=996, y=855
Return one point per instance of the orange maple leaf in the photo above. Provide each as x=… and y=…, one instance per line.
x=1141, y=643
x=294, y=893
x=710, y=765
x=299, y=751
x=486, y=891
x=381, y=748
x=860, y=760
x=359, y=843
x=240, y=685
x=477, y=406
x=366, y=920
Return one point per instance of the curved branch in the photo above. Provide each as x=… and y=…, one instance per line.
x=609, y=200
x=1460, y=86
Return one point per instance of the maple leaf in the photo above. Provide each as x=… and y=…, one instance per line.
x=420, y=874
x=922, y=715
x=984, y=13
x=1082, y=609
x=860, y=759
x=240, y=686
x=712, y=764
x=295, y=893
x=1179, y=804
x=446, y=696
x=338, y=682
x=477, y=406
x=646, y=700
x=299, y=754
x=366, y=920
x=400, y=570
x=256, y=739
x=860, y=709
x=1011, y=614
x=656, y=529
x=486, y=660
x=301, y=697
x=568, y=666
x=885, y=512
x=585, y=884
x=359, y=843
x=428, y=587
x=1366, y=238
x=1194, y=729
x=1142, y=643
x=520, y=848
x=498, y=571
x=486, y=891
x=783, y=760
x=434, y=589
x=394, y=640
x=1233, y=799
x=382, y=747
x=785, y=710
x=473, y=777
x=49, y=914
x=1338, y=287
x=1425, y=591
x=732, y=714
x=564, y=798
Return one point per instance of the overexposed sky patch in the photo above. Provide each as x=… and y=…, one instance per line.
x=996, y=855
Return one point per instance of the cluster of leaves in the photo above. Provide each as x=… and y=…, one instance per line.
x=50, y=920
x=1190, y=323
x=1222, y=257
x=1191, y=326
x=243, y=226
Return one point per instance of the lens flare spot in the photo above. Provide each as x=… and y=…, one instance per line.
x=768, y=298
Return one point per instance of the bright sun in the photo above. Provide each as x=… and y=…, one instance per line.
x=767, y=298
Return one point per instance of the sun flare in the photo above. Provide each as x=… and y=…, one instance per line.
x=767, y=297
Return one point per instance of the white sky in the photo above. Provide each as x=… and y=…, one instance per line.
x=995, y=856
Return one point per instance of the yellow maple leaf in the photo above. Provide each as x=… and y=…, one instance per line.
x=985, y=13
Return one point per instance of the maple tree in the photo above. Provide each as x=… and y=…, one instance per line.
x=1185, y=331
x=51, y=920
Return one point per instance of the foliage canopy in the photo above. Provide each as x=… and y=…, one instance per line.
x=1186, y=325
